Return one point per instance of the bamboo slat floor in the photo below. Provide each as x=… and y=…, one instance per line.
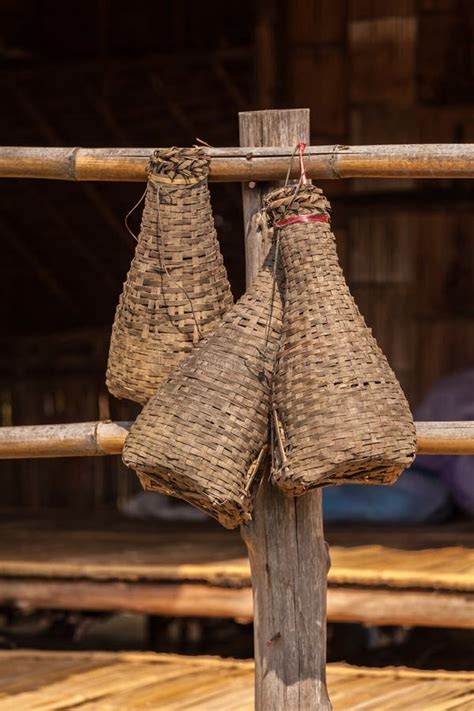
x=410, y=576
x=104, y=681
x=133, y=550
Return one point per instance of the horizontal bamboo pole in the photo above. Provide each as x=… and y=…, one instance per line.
x=445, y=437
x=92, y=439
x=344, y=604
x=83, y=439
x=450, y=160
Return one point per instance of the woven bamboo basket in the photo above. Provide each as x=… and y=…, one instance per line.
x=340, y=415
x=203, y=434
x=177, y=290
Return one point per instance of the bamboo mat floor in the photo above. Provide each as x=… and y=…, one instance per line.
x=101, y=681
x=439, y=558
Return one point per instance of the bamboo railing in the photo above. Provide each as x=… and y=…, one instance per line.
x=451, y=160
x=93, y=439
x=243, y=164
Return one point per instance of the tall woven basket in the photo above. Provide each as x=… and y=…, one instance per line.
x=201, y=437
x=340, y=414
x=177, y=290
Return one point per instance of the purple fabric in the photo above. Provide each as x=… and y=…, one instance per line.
x=452, y=398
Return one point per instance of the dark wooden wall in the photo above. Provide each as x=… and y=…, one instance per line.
x=400, y=71
x=60, y=378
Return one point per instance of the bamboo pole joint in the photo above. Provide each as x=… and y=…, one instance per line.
x=92, y=439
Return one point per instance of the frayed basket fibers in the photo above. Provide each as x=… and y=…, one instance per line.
x=340, y=415
x=203, y=434
x=177, y=290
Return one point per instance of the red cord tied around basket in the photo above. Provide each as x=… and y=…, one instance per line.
x=300, y=219
x=301, y=147
x=339, y=413
x=296, y=219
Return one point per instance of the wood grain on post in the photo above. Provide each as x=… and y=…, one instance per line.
x=285, y=540
x=94, y=439
x=450, y=160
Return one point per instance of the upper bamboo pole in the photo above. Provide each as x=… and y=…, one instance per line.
x=450, y=160
x=92, y=439
x=83, y=439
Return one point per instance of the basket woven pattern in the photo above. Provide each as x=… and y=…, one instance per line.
x=204, y=432
x=177, y=289
x=340, y=414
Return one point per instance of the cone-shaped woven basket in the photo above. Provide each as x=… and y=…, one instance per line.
x=340, y=414
x=202, y=435
x=177, y=290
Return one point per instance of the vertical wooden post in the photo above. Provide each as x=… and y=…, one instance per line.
x=285, y=539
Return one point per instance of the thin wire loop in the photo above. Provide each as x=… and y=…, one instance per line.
x=131, y=213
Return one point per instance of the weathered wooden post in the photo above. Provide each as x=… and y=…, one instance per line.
x=285, y=540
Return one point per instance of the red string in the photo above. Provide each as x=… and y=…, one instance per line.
x=301, y=149
x=295, y=219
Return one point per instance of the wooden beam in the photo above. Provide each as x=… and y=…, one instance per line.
x=79, y=67
x=420, y=608
x=371, y=606
x=267, y=49
x=70, y=232
x=92, y=439
x=43, y=273
x=450, y=160
x=231, y=88
x=173, y=599
x=285, y=541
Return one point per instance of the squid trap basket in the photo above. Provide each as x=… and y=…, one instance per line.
x=203, y=434
x=177, y=290
x=340, y=415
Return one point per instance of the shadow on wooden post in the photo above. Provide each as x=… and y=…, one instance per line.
x=285, y=540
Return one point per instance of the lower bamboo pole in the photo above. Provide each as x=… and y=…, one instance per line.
x=93, y=439
x=449, y=160
x=423, y=608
